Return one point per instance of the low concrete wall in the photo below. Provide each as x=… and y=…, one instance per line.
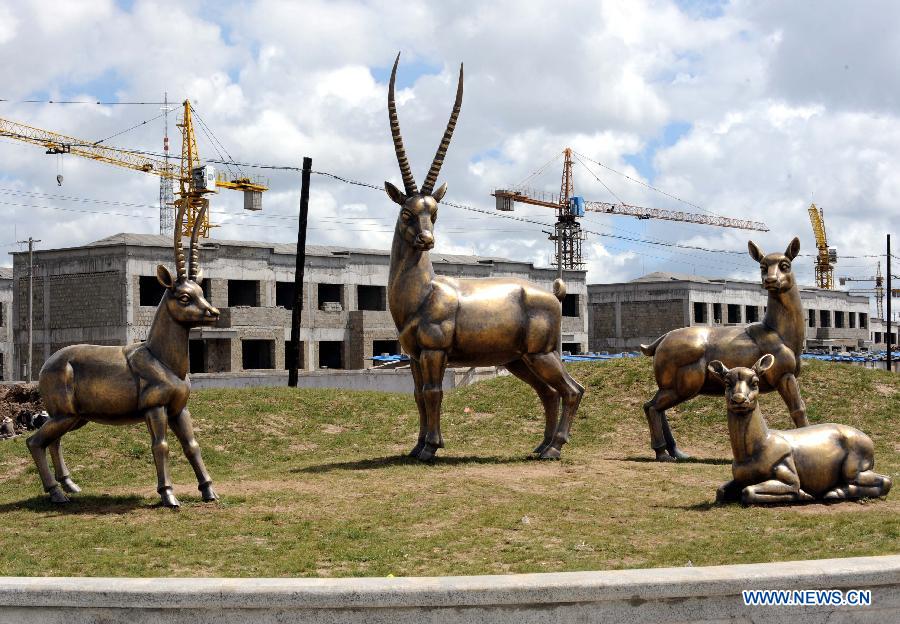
x=385, y=380
x=673, y=595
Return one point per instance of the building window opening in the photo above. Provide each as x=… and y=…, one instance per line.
x=150, y=291
x=285, y=294
x=331, y=354
x=839, y=319
x=243, y=293
x=734, y=313
x=385, y=347
x=751, y=314
x=570, y=305
x=852, y=317
x=197, y=356
x=571, y=348
x=825, y=318
x=257, y=354
x=717, y=313
x=811, y=318
x=330, y=299
x=204, y=286
x=371, y=298
x=289, y=355
x=863, y=320
x=700, y=310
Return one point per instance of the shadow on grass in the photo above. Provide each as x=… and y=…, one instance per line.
x=80, y=504
x=374, y=463
x=717, y=461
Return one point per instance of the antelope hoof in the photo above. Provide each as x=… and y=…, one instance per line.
x=836, y=494
x=663, y=456
x=677, y=453
x=168, y=499
x=57, y=495
x=551, y=452
x=414, y=453
x=69, y=486
x=208, y=493
x=426, y=453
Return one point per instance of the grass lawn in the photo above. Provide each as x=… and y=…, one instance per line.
x=316, y=483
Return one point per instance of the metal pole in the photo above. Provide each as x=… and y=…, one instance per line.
x=297, y=311
x=888, y=338
x=31, y=241
x=559, y=271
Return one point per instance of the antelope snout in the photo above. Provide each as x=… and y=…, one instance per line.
x=738, y=399
x=212, y=313
x=424, y=240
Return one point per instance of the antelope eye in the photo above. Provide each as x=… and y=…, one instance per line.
x=184, y=299
x=785, y=266
x=407, y=215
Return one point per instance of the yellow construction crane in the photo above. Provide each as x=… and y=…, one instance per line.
x=569, y=208
x=826, y=257
x=195, y=180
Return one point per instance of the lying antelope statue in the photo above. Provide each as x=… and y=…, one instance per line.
x=140, y=382
x=468, y=322
x=827, y=461
x=680, y=357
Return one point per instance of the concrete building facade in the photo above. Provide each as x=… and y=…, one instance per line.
x=106, y=293
x=624, y=315
x=7, y=371
x=878, y=334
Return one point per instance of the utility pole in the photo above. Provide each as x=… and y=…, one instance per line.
x=889, y=292
x=297, y=311
x=31, y=242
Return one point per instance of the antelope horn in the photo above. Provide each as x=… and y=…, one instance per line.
x=431, y=178
x=409, y=183
x=179, y=249
x=194, y=266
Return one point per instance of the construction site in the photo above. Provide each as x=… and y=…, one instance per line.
x=105, y=292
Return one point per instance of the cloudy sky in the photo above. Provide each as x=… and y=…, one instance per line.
x=742, y=109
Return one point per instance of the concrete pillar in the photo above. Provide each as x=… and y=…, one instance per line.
x=618, y=319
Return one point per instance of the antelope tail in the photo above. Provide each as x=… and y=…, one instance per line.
x=559, y=289
x=650, y=349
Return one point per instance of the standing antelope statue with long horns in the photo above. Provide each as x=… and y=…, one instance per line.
x=139, y=382
x=468, y=322
x=680, y=357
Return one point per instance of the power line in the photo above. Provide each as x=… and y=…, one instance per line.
x=94, y=102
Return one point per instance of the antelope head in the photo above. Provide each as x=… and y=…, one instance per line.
x=775, y=267
x=419, y=206
x=184, y=300
x=741, y=384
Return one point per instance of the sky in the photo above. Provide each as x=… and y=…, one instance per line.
x=741, y=109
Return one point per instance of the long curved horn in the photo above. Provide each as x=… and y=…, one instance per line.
x=431, y=178
x=179, y=250
x=409, y=183
x=194, y=266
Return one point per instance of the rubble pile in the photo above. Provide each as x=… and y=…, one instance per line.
x=20, y=409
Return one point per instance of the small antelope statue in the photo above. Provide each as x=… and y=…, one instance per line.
x=827, y=461
x=680, y=356
x=139, y=382
x=468, y=322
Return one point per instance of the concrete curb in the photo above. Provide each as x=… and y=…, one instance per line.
x=694, y=594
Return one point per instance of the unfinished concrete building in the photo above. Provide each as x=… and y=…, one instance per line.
x=106, y=293
x=7, y=372
x=624, y=315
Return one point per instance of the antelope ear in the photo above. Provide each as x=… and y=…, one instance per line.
x=717, y=369
x=765, y=362
x=164, y=277
x=394, y=193
x=439, y=194
x=793, y=249
x=199, y=277
x=755, y=252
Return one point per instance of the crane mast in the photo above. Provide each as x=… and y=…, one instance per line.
x=570, y=207
x=825, y=257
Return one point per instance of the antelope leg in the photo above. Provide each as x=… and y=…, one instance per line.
x=183, y=427
x=549, y=398
x=433, y=364
x=50, y=432
x=549, y=367
x=157, y=423
x=790, y=394
x=420, y=404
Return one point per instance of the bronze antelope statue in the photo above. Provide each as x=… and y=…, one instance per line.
x=827, y=461
x=468, y=322
x=139, y=382
x=680, y=357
